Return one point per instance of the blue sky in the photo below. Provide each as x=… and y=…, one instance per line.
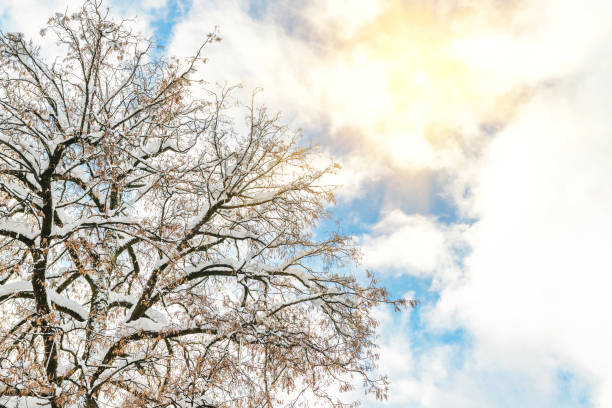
x=475, y=145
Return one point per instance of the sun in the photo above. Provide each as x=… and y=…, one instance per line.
x=408, y=84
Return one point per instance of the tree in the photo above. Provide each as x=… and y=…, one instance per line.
x=155, y=252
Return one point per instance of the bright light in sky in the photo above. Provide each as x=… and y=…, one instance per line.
x=503, y=107
x=410, y=83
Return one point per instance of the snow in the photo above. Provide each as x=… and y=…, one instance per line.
x=114, y=297
x=157, y=316
x=151, y=314
x=96, y=135
x=67, y=303
x=160, y=262
x=18, y=191
x=145, y=324
x=62, y=301
x=24, y=402
x=304, y=276
x=141, y=192
x=265, y=196
x=198, y=219
x=97, y=220
x=151, y=147
x=14, y=287
x=30, y=177
x=226, y=232
x=80, y=173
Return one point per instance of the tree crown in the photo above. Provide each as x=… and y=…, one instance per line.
x=154, y=251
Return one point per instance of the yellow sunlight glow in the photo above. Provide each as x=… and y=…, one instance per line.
x=408, y=87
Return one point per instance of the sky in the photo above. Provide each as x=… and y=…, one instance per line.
x=476, y=152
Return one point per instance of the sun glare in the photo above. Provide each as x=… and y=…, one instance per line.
x=415, y=82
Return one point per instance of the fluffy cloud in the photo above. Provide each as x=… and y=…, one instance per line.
x=539, y=272
x=532, y=297
x=28, y=16
x=414, y=245
x=437, y=374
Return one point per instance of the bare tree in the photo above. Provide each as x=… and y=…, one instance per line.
x=153, y=252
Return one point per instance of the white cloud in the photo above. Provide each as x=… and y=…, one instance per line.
x=254, y=52
x=29, y=16
x=534, y=295
x=437, y=374
x=539, y=272
x=355, y=172
x=414, y=245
